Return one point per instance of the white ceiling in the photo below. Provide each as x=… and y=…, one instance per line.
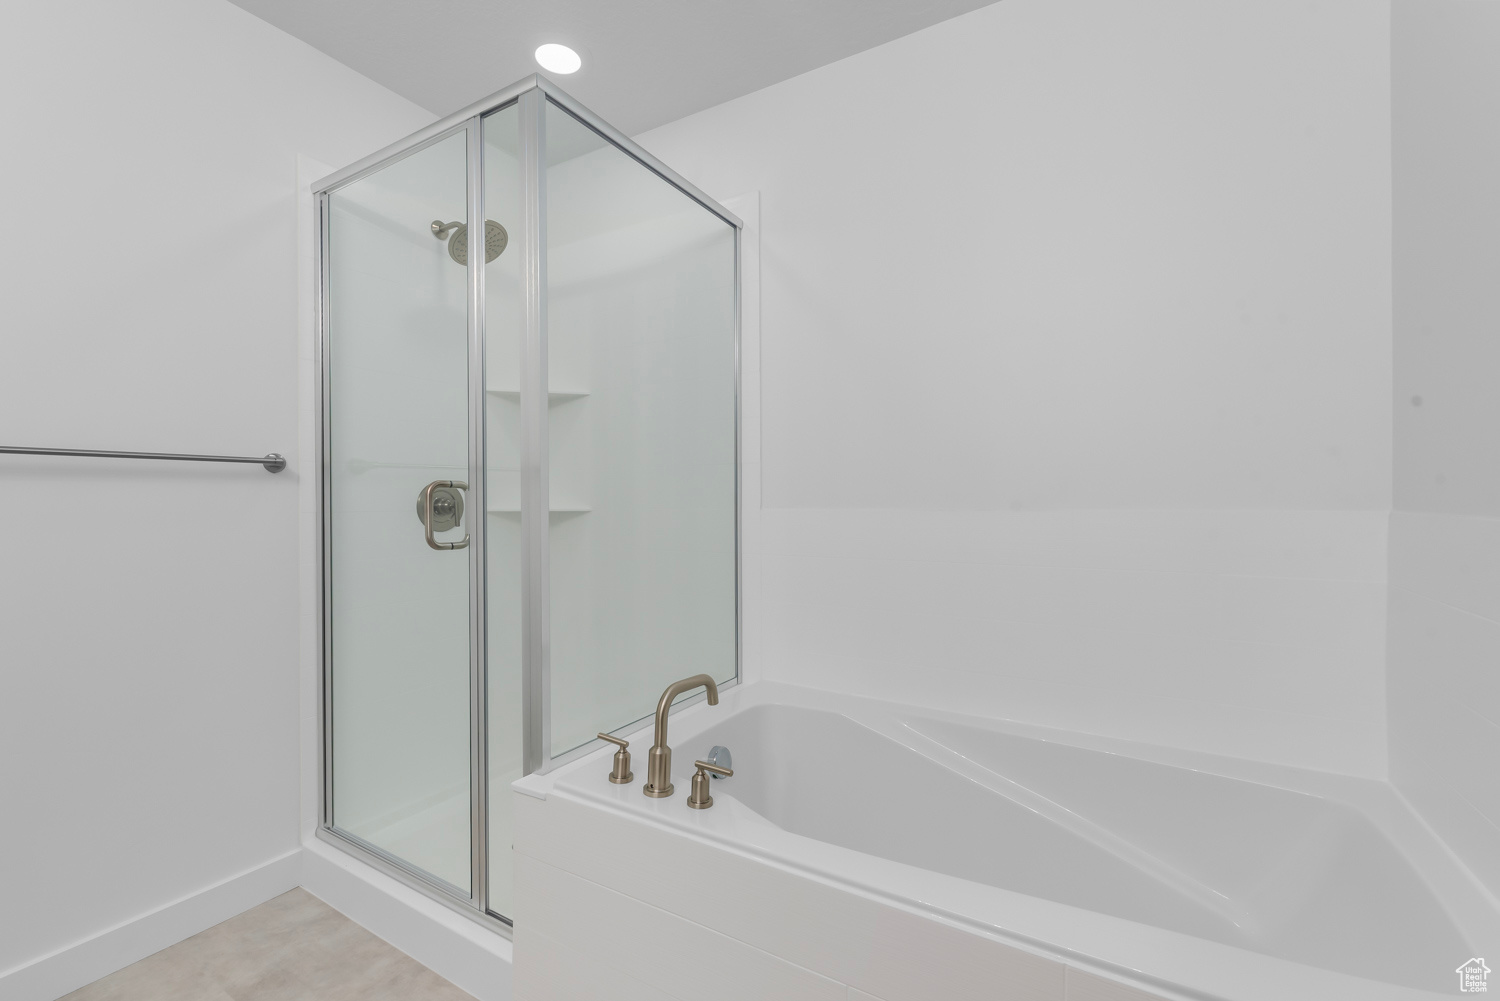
x=645, y=62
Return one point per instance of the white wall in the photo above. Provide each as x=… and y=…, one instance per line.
x=1077, y=364
x=148, y=612
x=1445, y=534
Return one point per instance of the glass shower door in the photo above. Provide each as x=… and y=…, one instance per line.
x=397, y=447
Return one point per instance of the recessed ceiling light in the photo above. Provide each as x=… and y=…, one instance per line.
x=558, y=58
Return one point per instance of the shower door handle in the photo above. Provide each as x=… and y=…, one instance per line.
x=426, y=511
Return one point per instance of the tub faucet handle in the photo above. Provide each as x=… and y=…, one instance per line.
x=699, y=798
x=620, y=773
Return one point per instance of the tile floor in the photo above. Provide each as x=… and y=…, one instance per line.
x=291, y=948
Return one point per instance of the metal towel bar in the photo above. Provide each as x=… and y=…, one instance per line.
x=274, y=462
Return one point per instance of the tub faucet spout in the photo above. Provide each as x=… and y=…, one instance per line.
x=659, y=758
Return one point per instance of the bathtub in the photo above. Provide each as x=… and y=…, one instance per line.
x=890, y=852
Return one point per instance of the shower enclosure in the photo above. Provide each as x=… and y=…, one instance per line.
x=529, y=403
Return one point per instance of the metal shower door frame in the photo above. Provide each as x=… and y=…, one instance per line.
x=530, y=95
x=471, y=903
x=536, y=624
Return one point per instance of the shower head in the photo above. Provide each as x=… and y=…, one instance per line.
x=495, y=239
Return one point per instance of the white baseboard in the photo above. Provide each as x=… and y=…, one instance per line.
x=456, y=948
x=73, y=966
x=468, y=955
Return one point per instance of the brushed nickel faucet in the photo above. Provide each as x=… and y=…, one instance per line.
x=659, y=758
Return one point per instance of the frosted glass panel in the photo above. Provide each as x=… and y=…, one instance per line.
x=641, y=422
x=502, y=380
x=397, y=411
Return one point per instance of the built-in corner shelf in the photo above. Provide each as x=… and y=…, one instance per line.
x=507, y=504
x=554, y=397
